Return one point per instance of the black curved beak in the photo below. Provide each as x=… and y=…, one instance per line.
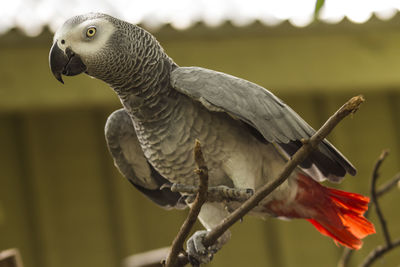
x=65, y=63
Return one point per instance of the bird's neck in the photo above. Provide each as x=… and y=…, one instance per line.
x=144, y=86
x=148, y=96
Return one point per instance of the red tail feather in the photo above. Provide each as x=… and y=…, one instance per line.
x=333, y=212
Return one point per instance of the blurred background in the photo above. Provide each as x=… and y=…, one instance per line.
x=62, y=202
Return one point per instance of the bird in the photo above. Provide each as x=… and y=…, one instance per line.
x=246, y=132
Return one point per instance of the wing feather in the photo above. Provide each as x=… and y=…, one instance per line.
x=128, y=157
x=263, y=111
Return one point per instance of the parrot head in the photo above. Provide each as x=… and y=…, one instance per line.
x=95, y=44
x=77, y=44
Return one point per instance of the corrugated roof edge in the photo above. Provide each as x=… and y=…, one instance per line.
x=200, y=29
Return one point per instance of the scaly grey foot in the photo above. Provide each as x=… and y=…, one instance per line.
x=215, y=193
x=221, y=193
x=198, y=253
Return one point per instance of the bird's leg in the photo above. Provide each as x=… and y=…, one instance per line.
x=215, y=193
x=198, y=253
x=185, y=189
x=222, y=193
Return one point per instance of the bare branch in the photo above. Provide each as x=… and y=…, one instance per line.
x=375, y=194
x=374, y=199
x=11, y=258
x=344, y=260
x=201, y=197
x=388, y=186
x=389, y=245
x=379, y=252
x=150, y=258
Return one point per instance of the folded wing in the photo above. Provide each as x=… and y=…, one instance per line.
x=128, y=157
x=262, y=111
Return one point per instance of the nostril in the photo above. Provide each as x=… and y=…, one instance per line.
x=69, y=52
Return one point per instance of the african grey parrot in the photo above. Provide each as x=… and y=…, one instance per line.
x=247, y=133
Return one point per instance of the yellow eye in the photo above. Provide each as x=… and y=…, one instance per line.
x=91, y=32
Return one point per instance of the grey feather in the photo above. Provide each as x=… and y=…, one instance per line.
x=128, y=157
x=263, y=111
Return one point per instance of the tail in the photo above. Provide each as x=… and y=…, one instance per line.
x=335, y=213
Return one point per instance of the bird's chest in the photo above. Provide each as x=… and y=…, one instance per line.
x=168, y=144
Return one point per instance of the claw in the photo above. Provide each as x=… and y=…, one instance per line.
x=166, y=185
x=249, y=192
x=190, y=198
x=197, y=252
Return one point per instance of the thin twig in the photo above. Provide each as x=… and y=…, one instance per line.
x=385, y=188
x=201, y=197
x=388, y=185
x=345, y=258
x=379, y=252
x=11, y=257
x=309, y=145
x=149, y=258
x=374, y=198
x=389, y=245
x=346, y=255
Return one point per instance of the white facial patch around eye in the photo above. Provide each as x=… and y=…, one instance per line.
x=74, y=36
x=84, y=45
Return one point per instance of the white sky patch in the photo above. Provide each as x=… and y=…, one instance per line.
x=358, y=11
x=32, y=15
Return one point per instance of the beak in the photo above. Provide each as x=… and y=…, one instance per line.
x=65, y=63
